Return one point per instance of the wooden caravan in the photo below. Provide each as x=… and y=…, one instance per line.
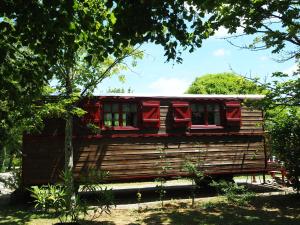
x=139, y=136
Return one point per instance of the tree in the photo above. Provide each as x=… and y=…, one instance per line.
x=284, y=131
x=223, y=83
x=85, y=75
x=274, y=24
x=71, y=41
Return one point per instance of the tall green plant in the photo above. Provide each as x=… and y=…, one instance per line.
x=195, y=175
x=163, y=166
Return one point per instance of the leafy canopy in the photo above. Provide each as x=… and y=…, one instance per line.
x=223, y=83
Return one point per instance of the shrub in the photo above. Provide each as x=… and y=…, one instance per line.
x=235, y=194
x=52, y=199
x=195, y=176
x=56, y=199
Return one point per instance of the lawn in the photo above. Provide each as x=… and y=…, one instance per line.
x=265, y=209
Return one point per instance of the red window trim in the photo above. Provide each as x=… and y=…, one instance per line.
x=207, y=126
x=120, y=128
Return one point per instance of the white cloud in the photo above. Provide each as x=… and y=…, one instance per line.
x=221, y=52
x=291, y=69
x=263, y=58
x=222, y=32
x=169, y=86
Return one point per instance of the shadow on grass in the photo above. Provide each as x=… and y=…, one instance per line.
x=20, y=214
x=128, y=196
x=274, y=210
x=88, y=222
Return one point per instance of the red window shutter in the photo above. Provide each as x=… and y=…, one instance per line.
x=233, y=113
x=151, y=114
x=93, y=113
x=181, y=114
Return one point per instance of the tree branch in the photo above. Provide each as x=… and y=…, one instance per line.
x=110, y=67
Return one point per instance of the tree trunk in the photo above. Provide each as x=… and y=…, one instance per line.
x=69, y=158
x=2, y=159
x=69, y=163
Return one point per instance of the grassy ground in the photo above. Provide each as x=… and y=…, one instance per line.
x=276, y=209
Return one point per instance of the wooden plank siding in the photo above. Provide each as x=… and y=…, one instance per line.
x=232, y=151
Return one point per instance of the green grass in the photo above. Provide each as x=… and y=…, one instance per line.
x=273, y=210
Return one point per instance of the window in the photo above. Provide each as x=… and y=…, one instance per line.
x=120, y=115
x=205, y=114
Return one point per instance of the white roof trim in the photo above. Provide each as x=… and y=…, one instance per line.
x=212, y=96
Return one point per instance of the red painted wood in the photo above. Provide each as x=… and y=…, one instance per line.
x=151, y=114
x=233, y=113
x=92, y=108
x=181, y=114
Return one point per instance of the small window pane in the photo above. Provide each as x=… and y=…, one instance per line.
x=125, y=108
x=108, y=119
x=133, y=108
x=217, y=118
x=115, y=107
x=115, y=119
x=198, y=118
x=124, y=116
x=106, y=108
x=193, y=107
x=210, y=108
x=131, y=119
x=211, y=118
x=135, y=120
x=200, y=108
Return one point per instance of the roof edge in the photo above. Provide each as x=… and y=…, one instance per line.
x=206, y=96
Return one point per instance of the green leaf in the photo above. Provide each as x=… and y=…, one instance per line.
x=72, y=26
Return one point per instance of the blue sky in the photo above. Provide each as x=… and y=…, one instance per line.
x=153, y=75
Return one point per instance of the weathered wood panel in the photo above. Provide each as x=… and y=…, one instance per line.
x=145, y=157
x=133, y=158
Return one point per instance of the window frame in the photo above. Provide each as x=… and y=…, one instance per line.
x=207, y=126
x=120, y=112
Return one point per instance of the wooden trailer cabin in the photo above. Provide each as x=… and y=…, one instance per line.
x=145, y=137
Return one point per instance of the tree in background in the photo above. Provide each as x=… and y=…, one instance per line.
x=224, y=83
